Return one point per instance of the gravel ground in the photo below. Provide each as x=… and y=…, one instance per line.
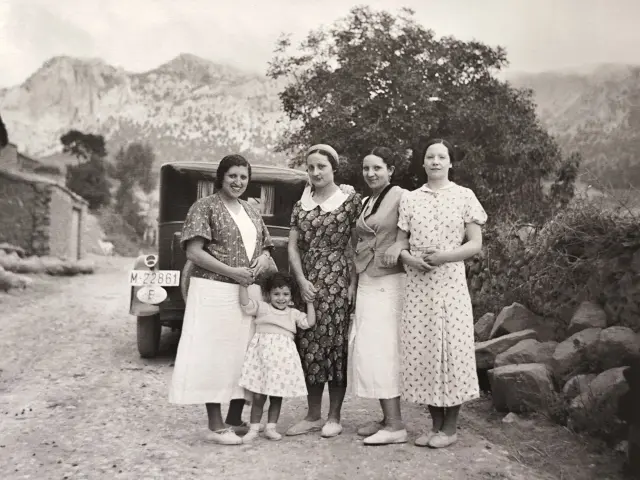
x=76, y=401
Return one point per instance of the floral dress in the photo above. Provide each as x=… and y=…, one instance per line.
x=438, y=365
x=324, y=232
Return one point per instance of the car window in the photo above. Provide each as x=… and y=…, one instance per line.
x=205, y=188
x=260, y=197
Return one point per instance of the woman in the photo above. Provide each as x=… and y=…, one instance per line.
x=443, y=223
x=374, y=340
x=321, y=227
x=229, y=245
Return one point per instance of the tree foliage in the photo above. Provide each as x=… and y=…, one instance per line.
x=134, y=164
x=89, y=178
x=134, y=170
x=83, y=145
x=375, y=78
x=4, y=136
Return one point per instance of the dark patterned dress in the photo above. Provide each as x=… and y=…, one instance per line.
x=323, y=241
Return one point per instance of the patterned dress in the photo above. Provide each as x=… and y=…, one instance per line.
x=438, y=366
x=272, y=364
x=324, y=232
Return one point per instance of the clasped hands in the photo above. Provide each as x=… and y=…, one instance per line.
x=247, y=275
x=430, y=259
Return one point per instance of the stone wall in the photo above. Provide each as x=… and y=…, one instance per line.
x=61, y=218
x=37, y=215
x=22, y=205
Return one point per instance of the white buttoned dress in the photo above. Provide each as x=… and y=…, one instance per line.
x=438, y=366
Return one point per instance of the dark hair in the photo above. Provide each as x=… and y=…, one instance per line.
x=332, y=161
x=228, y=162
x=452, y=153
x=388, y=156
x=434, y=141
x=278, y=280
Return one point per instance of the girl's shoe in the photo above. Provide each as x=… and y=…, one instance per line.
x=226, y=436
x=252, y=434
x=423, y=440
x=271, y=433
x=442, y=440
x=370, y=429
x=387, y=437
x=331, y=429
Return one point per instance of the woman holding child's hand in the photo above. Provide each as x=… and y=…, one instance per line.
x=321, y=231
x=229, y=245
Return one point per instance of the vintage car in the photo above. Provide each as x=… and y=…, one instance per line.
x=272, y=190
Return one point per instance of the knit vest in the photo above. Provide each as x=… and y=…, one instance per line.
x=376, y=234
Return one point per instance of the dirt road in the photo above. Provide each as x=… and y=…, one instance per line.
x=76, y=401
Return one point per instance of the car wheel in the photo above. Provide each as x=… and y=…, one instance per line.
x=149, y=330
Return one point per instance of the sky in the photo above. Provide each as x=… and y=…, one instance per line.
x=139, y=35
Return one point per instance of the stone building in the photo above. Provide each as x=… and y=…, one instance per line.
x=38, y=213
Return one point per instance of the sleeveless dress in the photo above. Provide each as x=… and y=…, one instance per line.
x=324, y=234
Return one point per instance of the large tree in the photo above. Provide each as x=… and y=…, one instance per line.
x=89, y=178
x=135, y=164
x=375, y=78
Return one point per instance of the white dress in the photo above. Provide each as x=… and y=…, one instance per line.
x=272, y=364
x=215, y=335
x=438, y=366
x=374, y=337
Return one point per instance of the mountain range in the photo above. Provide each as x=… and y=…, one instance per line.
x=595, y=111
x=192, y=109
x=187, y=109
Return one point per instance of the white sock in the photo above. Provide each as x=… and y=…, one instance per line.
x=254, y=427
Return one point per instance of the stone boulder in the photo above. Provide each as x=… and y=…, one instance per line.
x=520, y=388
x=577, y=385
x=588, y=315
x=483, y=326
x=527, y=351
x=596, y=409
x=577, y=354
x=617, y=346
x=517, y=317
x=486, y=352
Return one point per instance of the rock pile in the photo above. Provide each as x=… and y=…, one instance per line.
x=531, y=368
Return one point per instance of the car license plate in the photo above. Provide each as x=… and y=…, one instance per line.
x=160, y=278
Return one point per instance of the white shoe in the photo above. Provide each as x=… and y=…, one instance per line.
x=272, y=434
x=226, y=436
x=387, y=437
x=331, y=429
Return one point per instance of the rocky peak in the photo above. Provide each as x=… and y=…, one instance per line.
x=197, y=70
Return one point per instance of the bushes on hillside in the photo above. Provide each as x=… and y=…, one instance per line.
x=585, y=252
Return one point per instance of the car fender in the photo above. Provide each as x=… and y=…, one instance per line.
x=136, y=307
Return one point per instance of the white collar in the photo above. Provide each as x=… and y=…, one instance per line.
x=425, y=187
x=329, y=205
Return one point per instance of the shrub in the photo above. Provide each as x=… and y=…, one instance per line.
x=585, y=252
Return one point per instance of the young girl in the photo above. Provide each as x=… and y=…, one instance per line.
x=272, y=364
